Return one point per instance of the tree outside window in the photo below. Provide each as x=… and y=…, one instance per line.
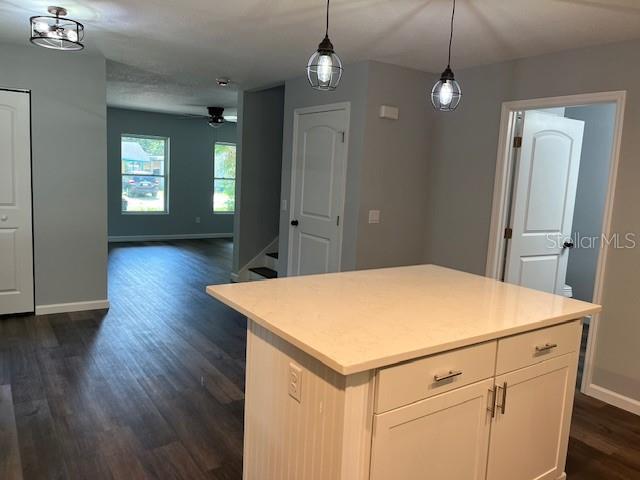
x=224, y=178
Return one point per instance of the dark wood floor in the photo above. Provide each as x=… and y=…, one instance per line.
x=153, y=389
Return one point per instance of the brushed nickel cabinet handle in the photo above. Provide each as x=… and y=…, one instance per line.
x=546, y=347
x=446, y=376
x=492, y=405
x=503, y=403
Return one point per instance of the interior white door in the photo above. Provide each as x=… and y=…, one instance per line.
x=318, y=183
x=16, y=243
x=543, y=200
x=442, y=437
x=529, y=437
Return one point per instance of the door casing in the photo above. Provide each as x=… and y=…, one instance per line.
x=499, y=214
x=346, y=106
x=33, y=263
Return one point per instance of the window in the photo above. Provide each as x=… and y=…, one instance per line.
x=145, y=163
x=224, y=178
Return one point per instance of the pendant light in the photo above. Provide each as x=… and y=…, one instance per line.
x=56, y=32
x=324, y=69
x=446, y=93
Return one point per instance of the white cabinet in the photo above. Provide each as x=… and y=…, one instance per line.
x=531, y=429
x=442, y=437
x=499, y=409
x=514, y=425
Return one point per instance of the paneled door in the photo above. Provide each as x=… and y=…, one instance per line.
x=16, y=243
x=318, y=183
x=531, y=430
x=544, y=196
x=442, y=437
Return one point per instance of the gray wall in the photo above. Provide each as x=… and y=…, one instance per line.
x=394, y=168
x=298, y=94
x=591, y=195
x=462, y=169
x=387, y=162
x=259, y=171
x=190, y=174
x=68, y=100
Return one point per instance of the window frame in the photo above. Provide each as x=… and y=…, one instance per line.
x=167, y=142
x=213, y=205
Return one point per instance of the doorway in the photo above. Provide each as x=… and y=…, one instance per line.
x=16, y=237
x=320, y=145
x=553, y=199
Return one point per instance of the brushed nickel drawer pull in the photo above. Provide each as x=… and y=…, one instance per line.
x=446, y=376
x=492, y=405
x=503, y=401
x=546, y=347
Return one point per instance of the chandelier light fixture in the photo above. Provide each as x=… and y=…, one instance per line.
x=324, y=69
x=446, y=93
x=54, y=31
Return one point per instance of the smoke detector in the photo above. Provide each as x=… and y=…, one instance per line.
x=223, y=81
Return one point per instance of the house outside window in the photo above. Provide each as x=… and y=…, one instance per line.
x=145, y=174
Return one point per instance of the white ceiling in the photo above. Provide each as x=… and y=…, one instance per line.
x=165, y=55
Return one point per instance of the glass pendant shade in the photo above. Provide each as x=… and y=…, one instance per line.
x=324, y=69
x=446, y=93
x=56, y=32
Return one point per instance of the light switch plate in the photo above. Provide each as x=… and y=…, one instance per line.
x=283, y=205
x=374, y=216
x=295, y=381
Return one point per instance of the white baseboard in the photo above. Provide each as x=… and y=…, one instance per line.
x=157, y=238
x=613, y=398
x=71, y=307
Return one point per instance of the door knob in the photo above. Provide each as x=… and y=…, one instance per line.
x=294, y=223
x=568, y=244
x=4, y=218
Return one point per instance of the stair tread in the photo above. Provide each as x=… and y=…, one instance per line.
x=272, y=254
x=265, y=272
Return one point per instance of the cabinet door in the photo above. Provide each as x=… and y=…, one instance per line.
x=529, y=440
x=442, y=437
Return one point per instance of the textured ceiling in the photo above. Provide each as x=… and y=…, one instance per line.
x=165, y=55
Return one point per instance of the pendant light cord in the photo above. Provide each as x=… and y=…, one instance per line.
x=326, y=33
x=453, y=14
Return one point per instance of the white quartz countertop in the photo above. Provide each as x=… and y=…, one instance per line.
x=357, y=321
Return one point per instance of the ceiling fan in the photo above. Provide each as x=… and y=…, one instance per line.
x=216, y=116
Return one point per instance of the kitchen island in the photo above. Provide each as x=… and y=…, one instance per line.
x=406, y=373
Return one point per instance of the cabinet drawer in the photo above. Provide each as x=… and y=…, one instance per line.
x=412, y=381
x=532, y=347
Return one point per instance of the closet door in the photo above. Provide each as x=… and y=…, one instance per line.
x=16, y=242
x=442, y=437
